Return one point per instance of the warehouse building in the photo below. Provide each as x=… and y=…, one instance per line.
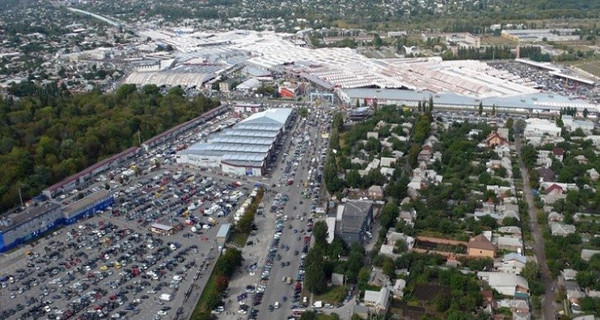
x=19, y=227
x=88, y=206
x=245, y=149
x=532, y=102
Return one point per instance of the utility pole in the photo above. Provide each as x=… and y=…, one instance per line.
x=140, y=137
x=21, y=197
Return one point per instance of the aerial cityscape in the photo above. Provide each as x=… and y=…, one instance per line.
x=316, y=159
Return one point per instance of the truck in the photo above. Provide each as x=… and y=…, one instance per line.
x=166, y=297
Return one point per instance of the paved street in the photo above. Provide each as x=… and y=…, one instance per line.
x=257, y=252
x=538, y=246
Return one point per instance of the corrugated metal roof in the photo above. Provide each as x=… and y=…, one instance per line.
x=277, y=115
x=241, y=140
x=524, y=101
x=250, y=133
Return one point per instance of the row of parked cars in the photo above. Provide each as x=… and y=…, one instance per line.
x=75, y=277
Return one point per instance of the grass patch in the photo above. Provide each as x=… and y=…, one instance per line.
x=200, y=311
x=334, y=295
x=591, y=65
x=239, y=238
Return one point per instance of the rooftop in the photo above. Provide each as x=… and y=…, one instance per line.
x=86, y=201
x=30, y=213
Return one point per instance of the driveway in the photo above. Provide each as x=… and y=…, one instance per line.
x=538, y=246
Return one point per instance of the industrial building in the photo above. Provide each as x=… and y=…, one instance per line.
x=21, y=226
x=245, y=149
x=539, y=35
x=223, y=234
x=532, y=102
x=88, y=206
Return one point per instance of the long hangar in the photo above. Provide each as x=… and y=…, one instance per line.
x=245, y=149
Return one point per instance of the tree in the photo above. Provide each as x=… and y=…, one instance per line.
x=244, y=226
x=320, y=233
x=222, y=283
x=480, y=108
x=308, y=315
x=354, y=179
x=227, y=263
x=585, y=112
x=377, y=41
x=314, y=280
x=430, y=104
x=531, y=271
x=303, y=112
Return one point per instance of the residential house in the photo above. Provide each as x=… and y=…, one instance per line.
x=581, y=159
x=481, y=247
x=568, y=275
x=519, y=308
x=362, y=311
x=536, y=127
x=510, y=230
x=555, y=217
x=398, y=291
x=337, y=279
x=550, y=199
x=473, y=133
x=408, y=216
x=586, y=254
x=489, y=304
x=555, y=188
x=558, y=153
x=425, y=154
x=355, y=220
x=375, y=192
x=573, y=291
x=507, y=284
x=388, y=247
x=594, y=175
x=495, y=139
x=543, y=158
x=560, y=229
x=372, y=134
x=377, y=301
x=387, y=162
x=509, y=243
x=378, y=278
x=546, y=174
x=511, y=263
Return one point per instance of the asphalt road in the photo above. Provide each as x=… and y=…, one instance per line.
x=538, y=246
x=276, y=288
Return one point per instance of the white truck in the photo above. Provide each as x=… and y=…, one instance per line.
x=166, y=297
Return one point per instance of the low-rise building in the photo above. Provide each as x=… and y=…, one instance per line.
x=355, y=220
x=481, y=247
x=507, y=284
x=377, y=301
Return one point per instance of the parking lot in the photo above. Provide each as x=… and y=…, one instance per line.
x=112, y=265
x=100, y=268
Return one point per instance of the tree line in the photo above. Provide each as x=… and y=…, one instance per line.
x=47, y=133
